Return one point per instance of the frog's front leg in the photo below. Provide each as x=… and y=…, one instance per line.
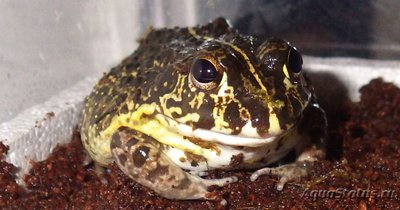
x=141, y=158
x=311, y=135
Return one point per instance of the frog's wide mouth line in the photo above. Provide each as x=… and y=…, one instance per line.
x=225, y=146
x=218, y=137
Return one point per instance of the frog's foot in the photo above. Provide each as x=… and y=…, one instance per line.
x=97, y=168
x=101, y=171
x=293, y=171
x=289, y=172
x=141, y=158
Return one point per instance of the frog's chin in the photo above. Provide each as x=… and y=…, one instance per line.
x=248, y=137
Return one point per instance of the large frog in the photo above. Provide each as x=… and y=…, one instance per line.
x=189, y=100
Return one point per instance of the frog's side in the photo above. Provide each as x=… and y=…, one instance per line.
x=194, y=98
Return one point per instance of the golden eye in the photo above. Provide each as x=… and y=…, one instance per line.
x=295, y=61
x=205, y=75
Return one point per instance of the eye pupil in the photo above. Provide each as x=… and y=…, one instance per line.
x=295, y=61
x=204, y=71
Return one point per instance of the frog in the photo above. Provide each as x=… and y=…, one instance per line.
x=193, y=99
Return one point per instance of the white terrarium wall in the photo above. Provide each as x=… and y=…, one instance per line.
x=52, y=53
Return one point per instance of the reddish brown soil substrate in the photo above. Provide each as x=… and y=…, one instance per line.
x=364, y=154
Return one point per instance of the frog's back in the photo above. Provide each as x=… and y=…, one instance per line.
x=125, y=83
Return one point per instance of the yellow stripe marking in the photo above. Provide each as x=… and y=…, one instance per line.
x=285, y=71
x=157, y=127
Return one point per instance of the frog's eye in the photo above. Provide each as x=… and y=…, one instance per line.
x=204, y=71
x=205, y=75
x=295, y=61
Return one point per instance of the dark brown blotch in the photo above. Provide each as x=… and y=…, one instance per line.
x=232, y=116
x=131, y=142
x=116, y=140
x=159, y=171
x=140, y=155
x=122, y=158
x=184, y=184
x=194, y=163
x=124, y=109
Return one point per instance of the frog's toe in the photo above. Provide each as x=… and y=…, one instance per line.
x=198, y=173
x=220, y=182
x=289, y=172
x=201, y=185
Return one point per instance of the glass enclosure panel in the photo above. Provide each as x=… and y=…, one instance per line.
x=360, y=28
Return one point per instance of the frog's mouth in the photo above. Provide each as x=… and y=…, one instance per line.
x=214, y=145
x=222, y=138
x=170, y=132
x=181, y=132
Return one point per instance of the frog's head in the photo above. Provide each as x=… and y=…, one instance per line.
x=235, y=92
